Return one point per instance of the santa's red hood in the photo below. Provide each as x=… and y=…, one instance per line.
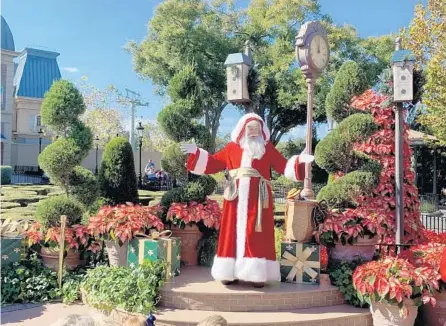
x=239, y=130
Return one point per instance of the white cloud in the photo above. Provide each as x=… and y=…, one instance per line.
x=70, y=69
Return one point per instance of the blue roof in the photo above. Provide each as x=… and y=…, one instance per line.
x=236, y=58
x=7, y=38
x=402, y=55
x=3, y=137
x=36, y=72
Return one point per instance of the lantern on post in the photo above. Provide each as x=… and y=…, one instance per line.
x=402, y=63
x=237, y=69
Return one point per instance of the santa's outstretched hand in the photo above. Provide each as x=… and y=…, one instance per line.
x=305, y=158
x=189, y=148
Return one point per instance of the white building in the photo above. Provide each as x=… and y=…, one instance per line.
x=25, y=78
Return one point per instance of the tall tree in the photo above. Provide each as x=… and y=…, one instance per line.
x=426, y=37
x=106, y=109
x=202, y=33
x=191, y=32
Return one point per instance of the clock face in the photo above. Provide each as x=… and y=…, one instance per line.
x=319, y=52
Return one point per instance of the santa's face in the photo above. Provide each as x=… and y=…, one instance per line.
x=253, y=129
x=252, y=141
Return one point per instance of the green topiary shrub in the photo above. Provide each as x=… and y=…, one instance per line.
x=6, y=173
x=117, y=176
x=83, y=185
x=175, y=120
x=49, y=211
x=349, y=81
x=61, y=109
x=335, y=153
x=176, y=195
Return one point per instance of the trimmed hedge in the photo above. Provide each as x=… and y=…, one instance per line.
x=349, y=81
x=335, y=153
x=83, y=185
x=117, y=176
x=49, y=211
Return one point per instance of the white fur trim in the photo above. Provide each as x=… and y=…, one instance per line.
x=257, y=270
x=290, y=169
x=242, y=207
x=223, y=269
x=203, y=158
x=241, y=123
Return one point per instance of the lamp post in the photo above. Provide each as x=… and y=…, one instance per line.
x=140, y=130
x=402, y=66
x=40, y=132
x=96, y=140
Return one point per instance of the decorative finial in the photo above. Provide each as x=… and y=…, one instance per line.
x=398, y=43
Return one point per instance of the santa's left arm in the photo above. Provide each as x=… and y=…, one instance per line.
x=293, y=169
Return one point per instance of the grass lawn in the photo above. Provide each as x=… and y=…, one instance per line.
x=21, y=201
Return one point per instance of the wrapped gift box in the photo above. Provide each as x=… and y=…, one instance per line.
x=10, y=250
x=300, y=262
x=167, y=249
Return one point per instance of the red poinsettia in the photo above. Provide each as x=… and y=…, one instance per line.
x=76, y=237
x=184, y=213
x=123, y=222
x=394, y=280
x=381, y=147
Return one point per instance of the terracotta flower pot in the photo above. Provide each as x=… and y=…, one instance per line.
x=388, y=315
x=117, y=255
x=364, y=247
x=436, y=316
x=50, y=258
x=189, y=243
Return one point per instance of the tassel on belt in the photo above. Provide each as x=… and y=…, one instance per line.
x=231, y=191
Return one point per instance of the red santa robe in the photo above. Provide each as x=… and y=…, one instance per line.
x=243, y=253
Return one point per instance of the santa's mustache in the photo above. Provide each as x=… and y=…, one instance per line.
x=254, y=145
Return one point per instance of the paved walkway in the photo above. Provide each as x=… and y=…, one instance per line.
x=39, y=315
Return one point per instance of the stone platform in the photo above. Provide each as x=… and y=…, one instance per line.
x=194, y=295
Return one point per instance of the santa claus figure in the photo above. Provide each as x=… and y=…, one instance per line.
x=246, y=249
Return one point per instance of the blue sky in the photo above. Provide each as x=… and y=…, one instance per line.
x=90, y=36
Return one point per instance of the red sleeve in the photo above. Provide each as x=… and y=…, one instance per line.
x=291, y=168
x=203, y=163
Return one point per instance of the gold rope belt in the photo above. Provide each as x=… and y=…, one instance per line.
x=231, y=191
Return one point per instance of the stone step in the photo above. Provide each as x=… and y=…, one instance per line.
x=341, y=315
x=195, y=289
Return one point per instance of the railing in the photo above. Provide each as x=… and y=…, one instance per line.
x=27, y=174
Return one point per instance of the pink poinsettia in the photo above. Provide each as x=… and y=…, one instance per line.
x=124, y=221
x=76, y=237
x=209, y=213
x=394, y=280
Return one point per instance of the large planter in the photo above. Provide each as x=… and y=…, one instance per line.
x=189, y=243
x=364, y=247
x=117, y=255
x=388, y=315
x=435, y=316
x=299, y=224
x=50, y=258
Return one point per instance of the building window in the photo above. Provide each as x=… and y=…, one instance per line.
x=3, y=87
x=1, y=157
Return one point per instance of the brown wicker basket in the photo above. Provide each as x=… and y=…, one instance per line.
x=299, y=224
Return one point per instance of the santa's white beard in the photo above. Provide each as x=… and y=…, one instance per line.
x=254, y=146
